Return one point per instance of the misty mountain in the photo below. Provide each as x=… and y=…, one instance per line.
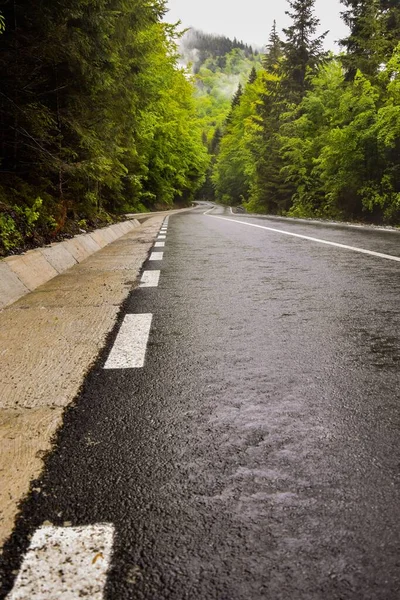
x=197, y=47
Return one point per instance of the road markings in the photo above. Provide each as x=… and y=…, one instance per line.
x=159, y=245
x=156, y=256
x=209, y=210
x=162, y=237
x=130, y=346
x=150, y=279
x=312, y=239
x=65, y=563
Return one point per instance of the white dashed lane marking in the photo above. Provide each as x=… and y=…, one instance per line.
x=156, y=256
x=159, y=244
x=130, y=346
x=311, y=239
x=65, y=563
x=162, y=237
x=150, y=279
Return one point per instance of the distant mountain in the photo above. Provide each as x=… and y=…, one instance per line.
x=197, y=47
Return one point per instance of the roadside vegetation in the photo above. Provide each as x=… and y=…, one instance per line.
x=104, y=110
x=97, y=118
x=312, y=134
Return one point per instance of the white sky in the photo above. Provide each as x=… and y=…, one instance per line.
x=251, y=20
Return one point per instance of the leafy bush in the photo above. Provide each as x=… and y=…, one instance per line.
x=10, y=237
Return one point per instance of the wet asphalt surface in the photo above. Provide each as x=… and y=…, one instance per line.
x=256, y=455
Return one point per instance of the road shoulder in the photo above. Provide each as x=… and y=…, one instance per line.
x=49, y=339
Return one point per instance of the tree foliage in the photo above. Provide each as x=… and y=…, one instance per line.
x=321, y=134
x=94, y=109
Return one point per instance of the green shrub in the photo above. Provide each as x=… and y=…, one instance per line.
x=10, y=237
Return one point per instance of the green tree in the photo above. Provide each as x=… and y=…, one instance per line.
x=303, y=51
x=374, y=33
x=273, y=54
x=233, y=172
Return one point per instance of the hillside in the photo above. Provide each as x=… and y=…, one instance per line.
x=219, y=65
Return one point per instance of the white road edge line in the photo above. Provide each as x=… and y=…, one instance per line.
x=312, y=239
x=150, y=279
x=156, y=256
x=159, y=245
x=130, y=346
x=65, y=563
x=208, y=211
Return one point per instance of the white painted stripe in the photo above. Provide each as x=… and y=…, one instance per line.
x=156, y=256
x=65, y=563
x=163, y=230
x=150, y=279
x=130, y=346
x=313, y=239
x=208, y=211
x=162, y=237
x=159, y=245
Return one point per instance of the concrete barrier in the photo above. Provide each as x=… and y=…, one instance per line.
x=23, y=273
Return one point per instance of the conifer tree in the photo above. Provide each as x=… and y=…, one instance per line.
x=237, y=96
x=302, y=49
x=252, y=76
x=374, y=33
x=273, y=51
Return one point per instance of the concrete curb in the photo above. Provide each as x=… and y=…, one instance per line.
x=23, y=273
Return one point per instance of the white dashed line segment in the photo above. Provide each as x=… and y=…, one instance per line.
x=162, y=237
x=130, y=346
x=159, y=245
x=156, y=256
x=150, y=279
x=65, y=563
x=311, y=239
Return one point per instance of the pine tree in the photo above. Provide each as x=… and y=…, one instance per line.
x=236, y=98
x=252, y=76
x=302, y=50
x=273, y=51
x=374, y=33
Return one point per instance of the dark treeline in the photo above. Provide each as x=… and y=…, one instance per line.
x=318, y=135
x=95, y=116
x=212, y=46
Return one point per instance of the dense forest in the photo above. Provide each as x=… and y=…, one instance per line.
x=318, y=135
x=104, y=109
x=221, y=68
x=96, y=116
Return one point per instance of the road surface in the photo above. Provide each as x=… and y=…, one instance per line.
x=238, y=437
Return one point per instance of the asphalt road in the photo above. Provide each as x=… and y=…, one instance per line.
x=256, y=454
